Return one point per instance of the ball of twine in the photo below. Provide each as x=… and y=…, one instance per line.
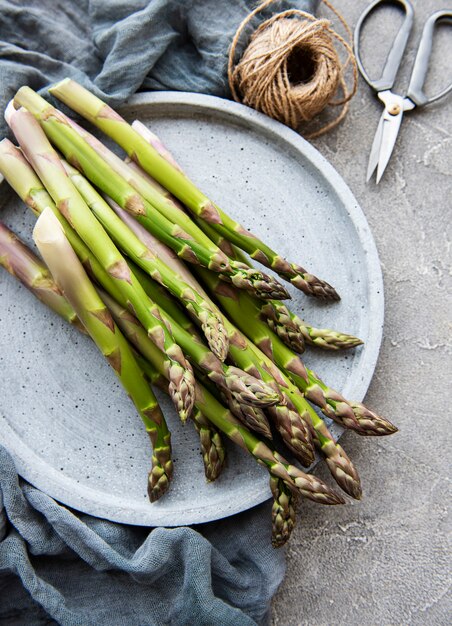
x=291, y=69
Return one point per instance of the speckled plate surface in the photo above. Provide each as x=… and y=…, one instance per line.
x=69, y=426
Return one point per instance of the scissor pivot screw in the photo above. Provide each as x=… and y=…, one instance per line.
x=394, y=109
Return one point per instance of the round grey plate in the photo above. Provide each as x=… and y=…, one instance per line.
x=70, y=428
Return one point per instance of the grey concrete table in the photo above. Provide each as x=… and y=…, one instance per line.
x=384, y=561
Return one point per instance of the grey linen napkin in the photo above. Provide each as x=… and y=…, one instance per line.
x=57, y=565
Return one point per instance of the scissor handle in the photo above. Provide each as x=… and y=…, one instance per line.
x=416, y=87
x=388, y=76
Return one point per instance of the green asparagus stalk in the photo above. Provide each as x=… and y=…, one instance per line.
x=306, y=282
x=352, y=415
x=252, y=417
x=47, y=165
x=243, y=276
x=210, y=322
x=224, y=420
x=103, y=116
x=22, y=178
x=212, y=448
x=305, y=484
x=162, y=298
x=325, y=338
x=290, y=328
x=79, y=153
x=290, y=424
x=72, y=279
x=20, y=262
x=283, y=512
x=213, y=451
x=294, y=416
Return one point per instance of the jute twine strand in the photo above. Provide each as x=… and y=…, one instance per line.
x=261, y=78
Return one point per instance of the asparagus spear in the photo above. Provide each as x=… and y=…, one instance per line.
x=352, y=415
x=283, y=512
x=72, y=279
x=224, y=420
x=252, y=417
x=212, y=448
x=78, y=152
x=210, y=322
x=221, y=234
x=325, y=338
x=163, y=299
x=103, y=116
x=243, y=276
x=294, y=416
x=289, y=422
x=47, y=165
x=289, y=327
x=20, y=262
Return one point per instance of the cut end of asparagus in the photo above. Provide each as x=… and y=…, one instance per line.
x=9, y=111
x=261, y=285
x=247, y=389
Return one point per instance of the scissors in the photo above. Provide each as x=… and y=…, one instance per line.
x=395, y=105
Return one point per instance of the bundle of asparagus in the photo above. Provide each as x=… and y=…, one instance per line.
x=115, y=236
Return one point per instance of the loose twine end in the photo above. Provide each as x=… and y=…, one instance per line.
x=291, y=69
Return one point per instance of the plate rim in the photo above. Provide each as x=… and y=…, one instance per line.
x=63, y=488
